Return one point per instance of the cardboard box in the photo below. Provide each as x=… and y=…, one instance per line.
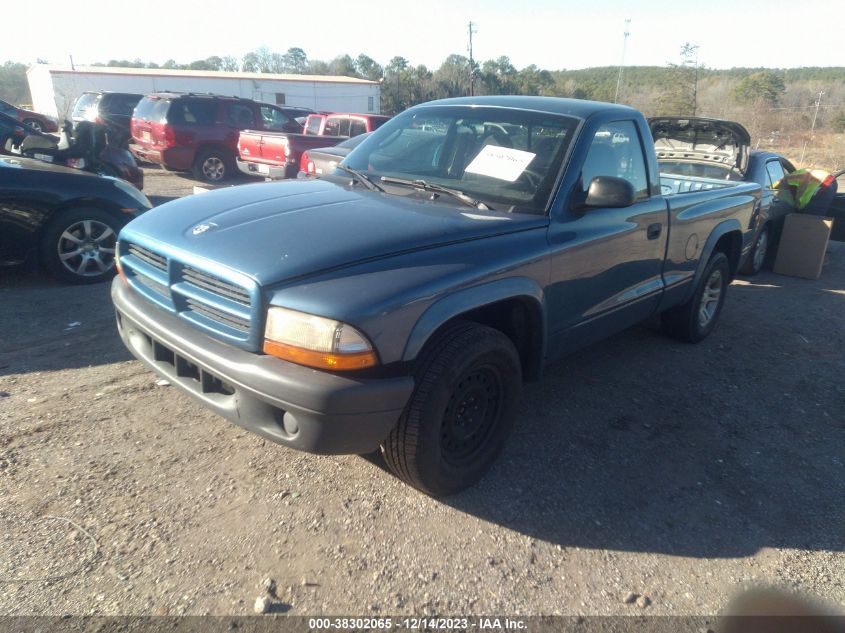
x=803, y=244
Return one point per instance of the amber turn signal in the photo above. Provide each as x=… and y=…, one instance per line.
x=320, y=360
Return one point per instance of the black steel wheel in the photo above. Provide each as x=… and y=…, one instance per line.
x=468, y=383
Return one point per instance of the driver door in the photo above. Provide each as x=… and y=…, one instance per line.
x=606, y=263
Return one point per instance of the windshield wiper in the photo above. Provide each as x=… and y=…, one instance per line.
x=435, y=188
x=364, y=179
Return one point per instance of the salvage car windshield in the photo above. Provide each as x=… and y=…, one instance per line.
x=506, y=158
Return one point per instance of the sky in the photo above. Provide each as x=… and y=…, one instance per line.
x=551, y=34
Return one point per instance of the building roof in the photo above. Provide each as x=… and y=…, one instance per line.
x=206, y=74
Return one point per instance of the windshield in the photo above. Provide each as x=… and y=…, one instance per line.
x=83, y=104
x=506, y=158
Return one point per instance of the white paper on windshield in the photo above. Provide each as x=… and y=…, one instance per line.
x=504, y=163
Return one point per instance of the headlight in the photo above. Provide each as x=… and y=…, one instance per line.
x=316, y=341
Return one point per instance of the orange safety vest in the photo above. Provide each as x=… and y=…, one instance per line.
x=798, y=187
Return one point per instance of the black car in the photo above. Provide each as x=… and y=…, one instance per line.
x=112, y=109
x=63, y=219
x=324, y=160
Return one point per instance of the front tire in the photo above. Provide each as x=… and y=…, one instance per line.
x=694, y=320
x=78, y=245
x=757, y=257
x=468, y=384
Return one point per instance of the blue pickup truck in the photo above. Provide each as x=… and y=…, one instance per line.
x=401, y=302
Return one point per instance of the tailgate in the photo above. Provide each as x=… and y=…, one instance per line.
x=249, y=145
x=148, y=122
x=263, y=148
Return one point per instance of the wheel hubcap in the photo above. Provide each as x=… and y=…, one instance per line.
x=471, y=415
x=86, y=248
x=760, y=250
x=213, y=168
x=710, y=299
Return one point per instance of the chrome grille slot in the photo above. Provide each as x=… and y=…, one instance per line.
x=209, y=312
x=215, y=285
x=153, y=259
x=152, y=284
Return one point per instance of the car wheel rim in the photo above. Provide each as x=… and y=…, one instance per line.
x=35, y=126
x=86, y=248
x=471, y=415
x=213, y=168
x=760, y=250
x=710, y=299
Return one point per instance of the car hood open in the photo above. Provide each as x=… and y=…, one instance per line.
x=703, y=140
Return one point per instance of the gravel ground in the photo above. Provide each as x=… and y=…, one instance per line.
x=640, y=467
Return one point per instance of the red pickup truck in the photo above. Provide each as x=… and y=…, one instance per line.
x=277, y=155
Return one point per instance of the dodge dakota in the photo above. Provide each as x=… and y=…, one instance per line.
x=400, y=302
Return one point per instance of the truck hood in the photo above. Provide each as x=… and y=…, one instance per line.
x=702, y=140
x=279, y=231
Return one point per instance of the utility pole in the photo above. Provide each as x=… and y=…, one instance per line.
x=813, y=124
x=72, y=67
x=622, y=62
x=471, y=30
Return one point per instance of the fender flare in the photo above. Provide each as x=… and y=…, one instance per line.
x=471, y=298
x=731, y=225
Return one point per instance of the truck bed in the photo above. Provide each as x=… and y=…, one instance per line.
x=671, y=184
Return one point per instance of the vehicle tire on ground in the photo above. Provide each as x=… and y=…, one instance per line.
x=758, y=256
x=78, y=245
x=695, y=319
x=35, y=124
x=468, y=384
x=213, y=166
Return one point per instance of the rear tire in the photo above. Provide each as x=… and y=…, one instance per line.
x=213, y=166
x=694, y=320
x=759, y=253
x=77, y=246
x=468, y=384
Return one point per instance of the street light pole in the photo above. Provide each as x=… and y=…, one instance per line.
x=622, y=62
x=471, y=30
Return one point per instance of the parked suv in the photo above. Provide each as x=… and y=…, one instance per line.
x=199, y=132
x=112, y=109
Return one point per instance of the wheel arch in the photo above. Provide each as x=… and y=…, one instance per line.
x=725, y=238
x=514, y=306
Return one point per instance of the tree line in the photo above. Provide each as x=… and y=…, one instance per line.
x=768, y=101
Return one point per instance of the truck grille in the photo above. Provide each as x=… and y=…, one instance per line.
x=223, y=307
x=153, y=259
x=215, y=284
x=214, y=314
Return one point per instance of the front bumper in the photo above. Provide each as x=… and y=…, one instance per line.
x=303, y=408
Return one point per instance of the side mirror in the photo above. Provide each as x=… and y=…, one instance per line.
x=609, y=191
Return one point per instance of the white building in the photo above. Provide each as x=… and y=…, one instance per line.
x=55, y=89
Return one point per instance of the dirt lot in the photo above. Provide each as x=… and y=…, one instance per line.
x=681, y=473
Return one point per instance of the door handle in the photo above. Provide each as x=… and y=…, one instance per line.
x=653, y=231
